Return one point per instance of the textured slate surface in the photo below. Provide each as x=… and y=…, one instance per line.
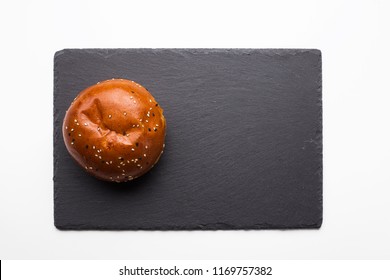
x=243, y=147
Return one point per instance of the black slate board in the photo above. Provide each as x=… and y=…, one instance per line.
x=243, y=147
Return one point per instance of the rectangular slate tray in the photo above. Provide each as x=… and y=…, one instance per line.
x=243, y=146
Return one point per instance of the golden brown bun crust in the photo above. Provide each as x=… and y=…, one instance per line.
x=115, y=130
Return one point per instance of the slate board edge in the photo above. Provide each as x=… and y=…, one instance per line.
x=319, y=139
x=242, y=51
x=209, y=227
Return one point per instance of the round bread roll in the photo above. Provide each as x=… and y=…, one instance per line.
x=115, y=130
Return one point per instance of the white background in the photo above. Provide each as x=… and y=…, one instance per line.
x=355, y=44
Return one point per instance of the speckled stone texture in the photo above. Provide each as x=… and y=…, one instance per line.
x=243, y=145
